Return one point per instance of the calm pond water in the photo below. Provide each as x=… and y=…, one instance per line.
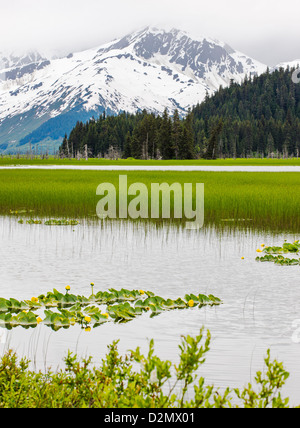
x=261, y=300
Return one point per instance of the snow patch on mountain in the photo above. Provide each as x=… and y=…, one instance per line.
x=290, y=64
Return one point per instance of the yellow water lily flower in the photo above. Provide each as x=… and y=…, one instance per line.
x=88, y=329
x=34, y=300
x=106, y=315
x=263, y=245
x=68, y=288
x=92, y=285
x=191, y=303
x=258, y=251
x=87, y=319
x=39, y=320
x=243, y=258
x=142, y=292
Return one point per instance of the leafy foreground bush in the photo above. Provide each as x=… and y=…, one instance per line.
x=117, y=384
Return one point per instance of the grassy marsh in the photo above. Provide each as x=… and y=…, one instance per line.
x=13, y=161
x=268, y=200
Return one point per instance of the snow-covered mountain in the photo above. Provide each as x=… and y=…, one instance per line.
x=42, y=98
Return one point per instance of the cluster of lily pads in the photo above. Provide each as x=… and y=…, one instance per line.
x=62, y=310
x=51, y=222
x=274, y=254
x=61, y=222
x=279, y=260
x=31, y=221
x=20, y=212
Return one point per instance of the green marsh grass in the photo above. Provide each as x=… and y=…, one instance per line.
x=263, y=200
x=13, y=161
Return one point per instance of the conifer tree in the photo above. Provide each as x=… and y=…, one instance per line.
x=127, y=146
x=186, y=148
x=176, y=133
x=213, y=141
x=165, y=137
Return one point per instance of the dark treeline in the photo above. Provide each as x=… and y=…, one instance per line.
x=142, y=136
x=259, y=118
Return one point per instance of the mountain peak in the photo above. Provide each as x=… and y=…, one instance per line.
x=198, y=55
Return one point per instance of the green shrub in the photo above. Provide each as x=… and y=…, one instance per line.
x=134, y=381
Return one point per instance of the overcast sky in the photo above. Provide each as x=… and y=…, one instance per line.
x=267, y=30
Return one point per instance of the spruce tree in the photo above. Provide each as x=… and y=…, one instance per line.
x=64, y=149
x=127, y=147
x=211, y=152
x=165, y=137
x=136, y=146
x=186, y=149
x=176, y=133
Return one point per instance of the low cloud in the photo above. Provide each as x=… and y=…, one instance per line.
x=267, y=31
